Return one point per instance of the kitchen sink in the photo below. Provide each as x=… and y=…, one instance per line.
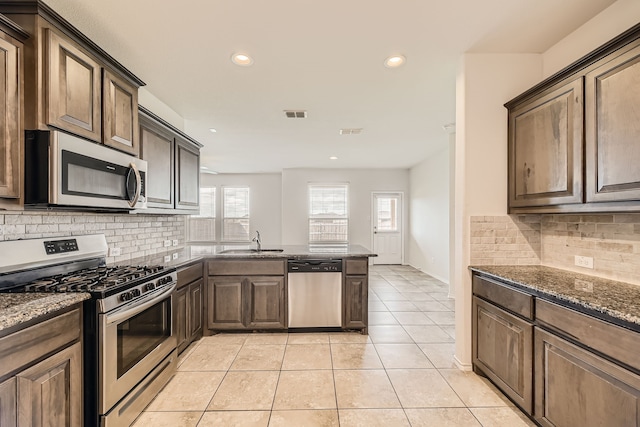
x=249, y=251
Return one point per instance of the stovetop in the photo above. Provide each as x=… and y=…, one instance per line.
x=96, y=280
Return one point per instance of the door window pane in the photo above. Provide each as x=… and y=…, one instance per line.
x=387, y=214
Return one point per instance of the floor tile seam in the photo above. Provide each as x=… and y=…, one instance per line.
x=216, y=391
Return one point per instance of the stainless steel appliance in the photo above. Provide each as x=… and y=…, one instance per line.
x=315, y=293
x=65, y=170
x=129, y=342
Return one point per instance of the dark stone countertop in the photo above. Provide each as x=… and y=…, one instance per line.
x=17, y=308
x=610, y=300
x=195, y=253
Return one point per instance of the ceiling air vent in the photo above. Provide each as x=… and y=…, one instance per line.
x=295, y=114
x=350, y=131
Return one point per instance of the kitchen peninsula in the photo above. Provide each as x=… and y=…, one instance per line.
x=247, y=289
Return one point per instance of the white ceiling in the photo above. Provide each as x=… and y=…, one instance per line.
x=323, y=56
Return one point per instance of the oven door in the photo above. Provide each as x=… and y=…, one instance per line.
x=133, y=340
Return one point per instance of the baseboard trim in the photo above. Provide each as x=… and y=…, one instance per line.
x=462, y=366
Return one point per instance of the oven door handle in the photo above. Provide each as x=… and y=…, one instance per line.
x=129, y=312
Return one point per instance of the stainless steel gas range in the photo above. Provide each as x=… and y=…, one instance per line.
x=129, y=341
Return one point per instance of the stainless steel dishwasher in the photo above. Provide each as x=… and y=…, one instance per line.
x=315, y=293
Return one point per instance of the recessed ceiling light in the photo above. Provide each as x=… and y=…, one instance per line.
x=212, y=130
x=241, y=59
x=394, y=61
x=333, y=158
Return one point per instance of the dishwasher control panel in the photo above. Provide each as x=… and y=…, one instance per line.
x=315, y=266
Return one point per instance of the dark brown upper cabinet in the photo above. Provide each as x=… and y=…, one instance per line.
x=173, y=165
x=613, y=128
x=574, y=138
x=11, y=109
x=71, y=83
x=545, y=148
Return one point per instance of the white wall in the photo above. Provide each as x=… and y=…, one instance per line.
x=429, y=215
x=485, y=82
x=265, y=201
x=159, y=108
x=611, y=22
x=361, y=183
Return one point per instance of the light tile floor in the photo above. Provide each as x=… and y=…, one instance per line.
x=401, y=374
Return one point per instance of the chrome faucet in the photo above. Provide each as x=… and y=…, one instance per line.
x=257, y=240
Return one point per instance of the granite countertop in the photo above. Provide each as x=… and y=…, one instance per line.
x=16, y=308
x=194, y=253
x=614, y=301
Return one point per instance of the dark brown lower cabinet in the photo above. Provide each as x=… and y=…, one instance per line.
x=575, y=387
x=355, y=302
x=502, y=350
x=47, y=388
x=50, y=393
x=187, y=305
x=246, y=302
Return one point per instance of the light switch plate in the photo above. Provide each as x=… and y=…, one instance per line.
x=167, y=258
x=175, y=256
x=175, y=242
x=167, y=243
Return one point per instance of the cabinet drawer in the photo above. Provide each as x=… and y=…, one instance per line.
x=591, y=332
x=30, y=344
x=189, y=274
x=245, y=267
x=504, y=296
x=355, y=266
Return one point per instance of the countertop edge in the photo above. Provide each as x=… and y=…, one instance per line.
x=601, y=312
x=24, y=312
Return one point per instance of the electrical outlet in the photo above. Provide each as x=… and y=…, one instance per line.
x=175, y=242
x=167, y=243
x=115, y=251
x=167, y=258
x=584, y=261
x=175, y=256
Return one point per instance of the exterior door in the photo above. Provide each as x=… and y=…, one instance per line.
x=387, y=228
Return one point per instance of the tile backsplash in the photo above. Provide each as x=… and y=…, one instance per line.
x=612, y=240
x=136, y=235
x=504, y=240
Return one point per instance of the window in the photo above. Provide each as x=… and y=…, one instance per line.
x=235, y=214
x=328, y=213
x=387, y=214
x=202, y=227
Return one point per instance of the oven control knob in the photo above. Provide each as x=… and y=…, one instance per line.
x=126, y=296
x=150, y=286
x=135, y=292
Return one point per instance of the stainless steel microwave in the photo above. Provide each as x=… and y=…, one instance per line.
x=66, y=171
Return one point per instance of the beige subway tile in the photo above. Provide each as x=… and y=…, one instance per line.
x=599, y=219
x=626, y=218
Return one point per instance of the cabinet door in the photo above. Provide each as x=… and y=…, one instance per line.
x=8, y=408
x=355, y=302
x=613, y=129
x=574, y=387
x=545, y=148
x=224, y=303
x=187, y=176
x=50, y=393
x=265, y=302
x=157, y=148
x=10, y=116
x=73, y=80
x=502, y=348
x=195, y=309
x=120, y=114
x=180, y=317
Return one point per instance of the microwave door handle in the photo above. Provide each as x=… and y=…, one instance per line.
x=133, y=168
